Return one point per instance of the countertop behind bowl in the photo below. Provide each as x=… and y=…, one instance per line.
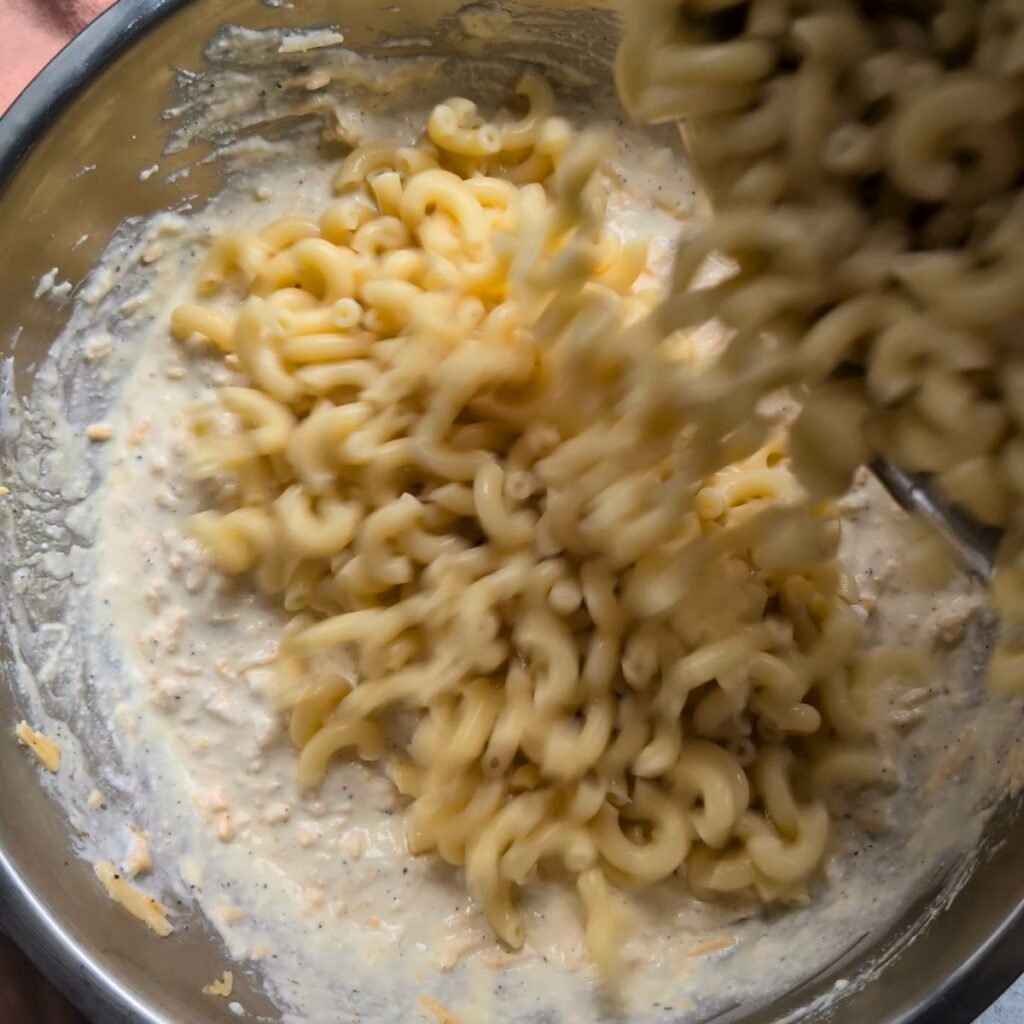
x=71, y=152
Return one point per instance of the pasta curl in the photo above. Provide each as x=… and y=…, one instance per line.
x=510, y=517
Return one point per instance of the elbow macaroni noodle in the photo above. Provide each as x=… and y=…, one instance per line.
x=866, y=173
x=584, y=632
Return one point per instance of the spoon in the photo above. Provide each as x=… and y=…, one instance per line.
x=973, y=544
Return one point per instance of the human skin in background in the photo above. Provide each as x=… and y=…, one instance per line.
x=33, y=31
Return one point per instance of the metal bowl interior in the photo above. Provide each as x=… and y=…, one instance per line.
x=97, y=107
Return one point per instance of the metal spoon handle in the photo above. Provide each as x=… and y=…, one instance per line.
x=973, y=543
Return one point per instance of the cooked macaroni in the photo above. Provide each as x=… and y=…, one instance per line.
x=574, y=630
x=866, y=172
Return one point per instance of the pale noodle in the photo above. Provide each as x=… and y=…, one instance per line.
x=612, y=634
x=865, y=167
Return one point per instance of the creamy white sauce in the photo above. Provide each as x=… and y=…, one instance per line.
x=167, y=708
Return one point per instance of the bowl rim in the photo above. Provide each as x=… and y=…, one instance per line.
x=63, y=961
x=963, y=995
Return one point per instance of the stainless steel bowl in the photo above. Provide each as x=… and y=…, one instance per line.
x=98, y=104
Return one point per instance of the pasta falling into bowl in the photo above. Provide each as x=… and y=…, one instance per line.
x=578, y=634
x=468, y=594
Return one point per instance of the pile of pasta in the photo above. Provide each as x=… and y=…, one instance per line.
x=582, y=636
x=865, y=163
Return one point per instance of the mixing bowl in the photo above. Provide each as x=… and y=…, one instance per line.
x=71, y=151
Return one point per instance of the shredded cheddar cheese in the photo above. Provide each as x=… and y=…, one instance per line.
x=442, y=1016
x=138, y=859
x=45, y=749
x=149, y=910
x=221, y=986
x=99, y=432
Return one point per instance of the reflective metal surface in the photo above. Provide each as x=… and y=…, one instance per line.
x=971, y=543
x=71, y=150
